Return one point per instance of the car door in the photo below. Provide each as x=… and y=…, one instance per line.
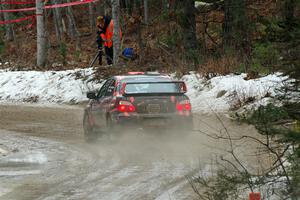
x=96, y=106
x=108, y=99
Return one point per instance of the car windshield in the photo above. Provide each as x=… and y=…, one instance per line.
x=168, y=87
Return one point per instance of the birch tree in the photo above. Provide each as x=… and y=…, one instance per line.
x=41, y=34
x=116, y=35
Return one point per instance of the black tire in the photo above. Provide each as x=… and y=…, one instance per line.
x=89, y=132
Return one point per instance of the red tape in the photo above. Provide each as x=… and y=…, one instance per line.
x=17, y=2
x=50, y=6
x=17, y=20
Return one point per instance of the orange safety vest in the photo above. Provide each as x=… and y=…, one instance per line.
x=108, y=35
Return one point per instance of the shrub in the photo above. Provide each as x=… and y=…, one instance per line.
x=63, y=52
x=220, y=66
x=265, y=57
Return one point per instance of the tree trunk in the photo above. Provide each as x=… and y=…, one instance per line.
x=188, y=23
x=73, y=31
x=116, y=35
x=289, y=11
x=92, y=17
x=9, y=32
x=41, y=35
x=58, y=22
x=228, y=23
x=172, y=4
x=235, y=23
x=146, y=12
x=100, y=8
x=164, y=4
x=129, y=5
x=137, y=5
x=139, y=31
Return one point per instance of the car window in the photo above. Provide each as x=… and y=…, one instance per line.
x=110, y=89
x=103, y=89
x=155, y=87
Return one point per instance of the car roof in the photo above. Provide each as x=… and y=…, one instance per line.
x=144, y=78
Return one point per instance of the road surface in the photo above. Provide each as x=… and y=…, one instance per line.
x=43, y=156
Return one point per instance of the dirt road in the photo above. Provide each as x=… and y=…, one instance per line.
x=43, y=156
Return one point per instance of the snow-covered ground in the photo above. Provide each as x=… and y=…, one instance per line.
x=46, y=87
x=219, y=93
x=222, y=93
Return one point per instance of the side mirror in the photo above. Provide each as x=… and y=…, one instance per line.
x=91, y=95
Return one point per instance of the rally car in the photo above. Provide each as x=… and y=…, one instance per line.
x=137, y=100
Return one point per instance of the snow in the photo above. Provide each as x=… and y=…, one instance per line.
x=218, y=94
x=204, y=93
x=46, y=87
x=32, y=158
x=19, y=173
x=3, y=152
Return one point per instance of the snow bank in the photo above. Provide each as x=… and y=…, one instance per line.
x=223, y=92
x=218, y=94
x=51, y=86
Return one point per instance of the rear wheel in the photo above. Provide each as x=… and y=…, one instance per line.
x=89, y=132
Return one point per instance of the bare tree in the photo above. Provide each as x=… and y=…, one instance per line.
x=9, y=32
x=41, y=35
x=58, y=22
x=116, y=36
x=188, y=23
x=72, y=28
x=235, y=23
x=92, y=17
x=289, y=9
x=129, y=5
x=100, y=7
x=278, y=176
x=146, y=12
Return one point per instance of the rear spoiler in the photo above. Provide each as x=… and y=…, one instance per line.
x=183, y=87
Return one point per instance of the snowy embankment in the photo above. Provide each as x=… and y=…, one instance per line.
x=219, y=93
x=46, y=87
x=223, y=93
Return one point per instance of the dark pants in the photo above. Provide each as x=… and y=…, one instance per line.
x=109, y=55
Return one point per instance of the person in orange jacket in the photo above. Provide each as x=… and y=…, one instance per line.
x=105, y=35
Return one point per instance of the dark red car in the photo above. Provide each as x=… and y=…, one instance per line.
x=139, y=100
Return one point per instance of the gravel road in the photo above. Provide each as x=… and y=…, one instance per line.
x=43, y=156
